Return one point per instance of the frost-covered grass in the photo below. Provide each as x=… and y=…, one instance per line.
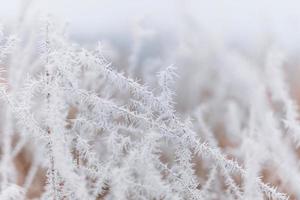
x=75, y=127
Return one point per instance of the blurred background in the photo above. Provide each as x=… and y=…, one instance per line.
x=140, y=37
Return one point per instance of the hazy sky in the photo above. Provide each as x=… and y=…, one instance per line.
x=230, y=18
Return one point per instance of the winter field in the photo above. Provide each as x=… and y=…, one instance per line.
x=149, y=100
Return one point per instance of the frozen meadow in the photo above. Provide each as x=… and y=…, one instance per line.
x=160, y=101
